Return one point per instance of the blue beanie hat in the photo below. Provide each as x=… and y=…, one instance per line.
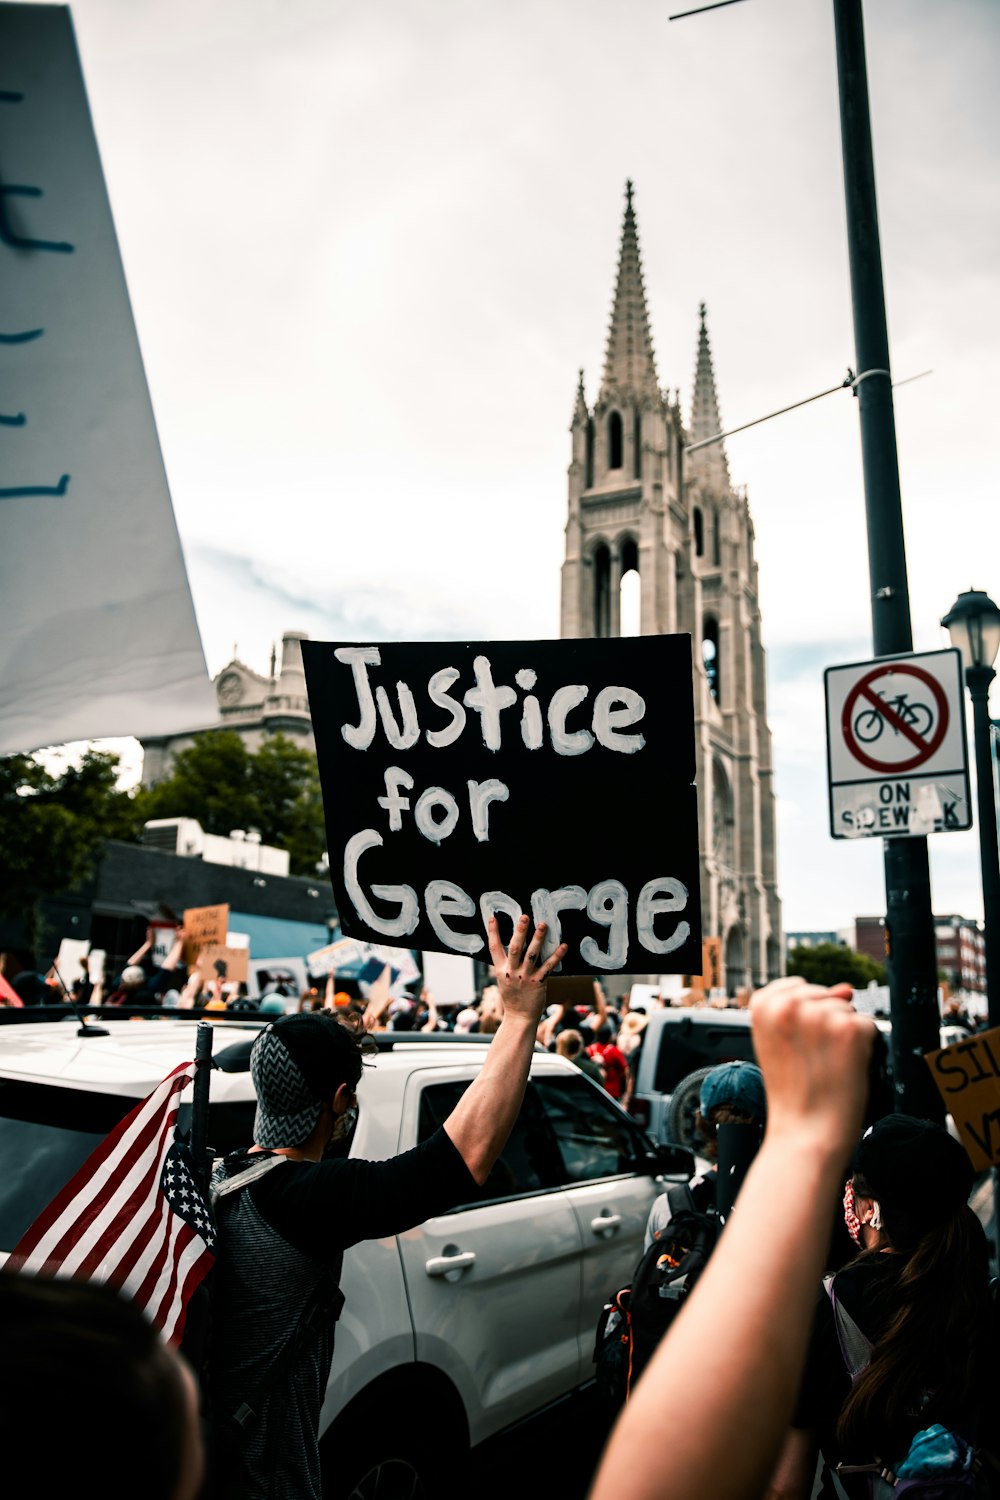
x=738, y=1084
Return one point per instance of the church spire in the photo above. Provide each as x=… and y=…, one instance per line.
x=710, y=463
x=629, y=364
x=580, y=412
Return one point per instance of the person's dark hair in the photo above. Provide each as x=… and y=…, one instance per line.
x=706, y=1126
x=937, y=1340
x=61, y=1338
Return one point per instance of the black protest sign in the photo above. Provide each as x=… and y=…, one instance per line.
x=967, y=1075
x=554, y=778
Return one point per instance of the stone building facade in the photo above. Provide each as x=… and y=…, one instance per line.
x=250, y=703
x=644, y=499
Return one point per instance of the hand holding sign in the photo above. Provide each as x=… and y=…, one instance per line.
x=521, y=973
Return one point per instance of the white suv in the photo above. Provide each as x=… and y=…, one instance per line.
x=451, y=1332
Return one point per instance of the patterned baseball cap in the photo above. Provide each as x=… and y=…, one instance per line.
x=297, y=1064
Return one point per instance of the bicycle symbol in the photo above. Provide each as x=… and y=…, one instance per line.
x=870, y=722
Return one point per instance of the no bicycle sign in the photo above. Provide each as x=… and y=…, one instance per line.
x=896, y=747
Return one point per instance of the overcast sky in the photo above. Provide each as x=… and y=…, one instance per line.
x=369, y=246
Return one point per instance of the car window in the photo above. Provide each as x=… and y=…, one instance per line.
x=594, y=1138
x=529, y=1163
x=47, y=1133
x=687, y=1045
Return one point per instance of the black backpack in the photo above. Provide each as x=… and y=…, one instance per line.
x=633, y=1322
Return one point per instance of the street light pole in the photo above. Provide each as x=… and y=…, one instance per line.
x=911, y=959
x=973, y=622
x=978, y=680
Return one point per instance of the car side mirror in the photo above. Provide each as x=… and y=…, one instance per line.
x=671, y=1161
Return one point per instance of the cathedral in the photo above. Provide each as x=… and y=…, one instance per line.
x=645, y=499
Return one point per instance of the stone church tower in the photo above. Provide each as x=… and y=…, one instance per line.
x=640, y=501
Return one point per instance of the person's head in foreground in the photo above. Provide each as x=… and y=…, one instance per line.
x=66, y=1345
x=305, y=1069
x=732, y=1094
x=906, y=1207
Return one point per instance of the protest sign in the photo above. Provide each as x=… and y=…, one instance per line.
x=204, y=925
x=71, y=958
x=108, y=644
x=967, y=1076
x=236, y=960
x=554, y=778
x=284, y=977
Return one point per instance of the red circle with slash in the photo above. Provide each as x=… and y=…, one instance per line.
x=925, y=747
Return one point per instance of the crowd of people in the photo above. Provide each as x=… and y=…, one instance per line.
x=880, y=1364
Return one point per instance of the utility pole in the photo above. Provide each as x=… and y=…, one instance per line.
x=911, y=958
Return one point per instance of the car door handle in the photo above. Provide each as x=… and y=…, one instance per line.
x=606, y=1221
x=440, y=1265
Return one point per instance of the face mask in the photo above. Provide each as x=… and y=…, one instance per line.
x=850, y=1217
x=345, y=1124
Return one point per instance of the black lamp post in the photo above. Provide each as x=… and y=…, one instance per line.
x=973, y=623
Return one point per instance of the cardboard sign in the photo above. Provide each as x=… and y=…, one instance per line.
x=204, y=925
x=554, y=778
x=236, y=960
x=576, y=990
x=968, y=1079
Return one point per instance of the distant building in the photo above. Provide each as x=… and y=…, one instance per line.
x=647, y=515
x=253, y=705
x=961, y=951
x=813, y=940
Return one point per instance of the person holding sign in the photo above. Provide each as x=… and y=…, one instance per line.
x=282, y=1233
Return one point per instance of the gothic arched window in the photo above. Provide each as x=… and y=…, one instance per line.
x=589, y=475
x=615, y=440
x=637, y=445
x=710, y=656
x=698, y=527
x=630, y=589
x=602, y=591
x=716, y=539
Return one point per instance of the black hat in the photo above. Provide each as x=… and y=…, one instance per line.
x=919, y=1174
x=297, y=1064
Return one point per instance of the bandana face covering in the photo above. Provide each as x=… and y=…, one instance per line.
x=850, y=1217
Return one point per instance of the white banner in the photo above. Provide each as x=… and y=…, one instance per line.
x=99, y=632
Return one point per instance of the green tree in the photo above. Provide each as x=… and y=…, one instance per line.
x=218, y=781
x=54, y=827
x=829, y=963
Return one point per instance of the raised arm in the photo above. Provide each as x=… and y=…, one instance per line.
x=173, y=958
x=140, y=953
x=432, y=1011
x=741, y=1339
x=484, y=1116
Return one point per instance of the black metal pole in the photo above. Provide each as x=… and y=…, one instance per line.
x=911, y=960
x=978, y=680
x=199, y=1104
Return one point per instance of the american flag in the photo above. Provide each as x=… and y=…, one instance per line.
x=132, y=1216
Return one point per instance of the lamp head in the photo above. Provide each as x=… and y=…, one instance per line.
x=973, y=623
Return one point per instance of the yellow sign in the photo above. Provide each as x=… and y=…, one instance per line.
x=968, y=1079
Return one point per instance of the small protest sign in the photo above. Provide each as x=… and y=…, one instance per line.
x=236, y=960
x=967, y=1076
x=204, y=925
x=554, y=778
